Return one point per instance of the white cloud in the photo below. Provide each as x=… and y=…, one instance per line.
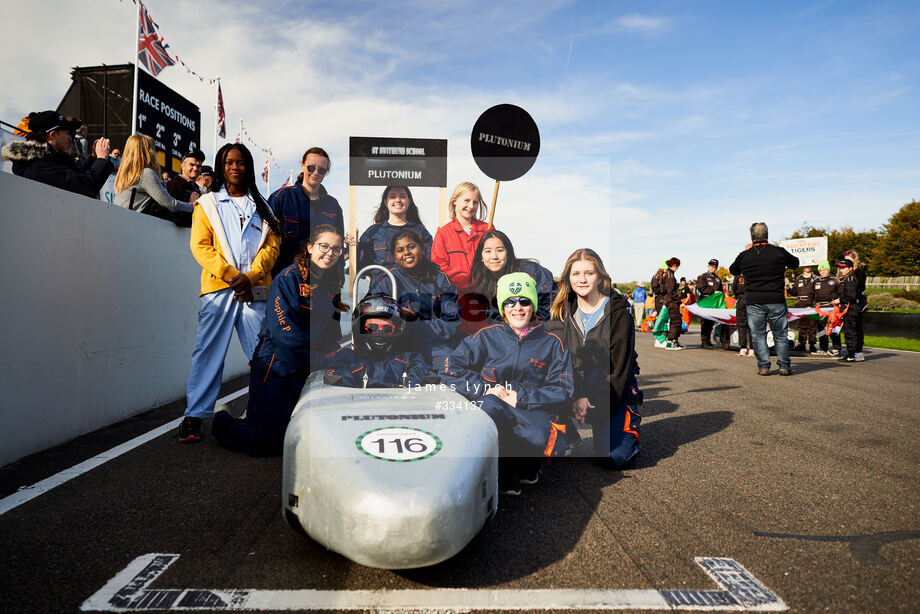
x=643, y=23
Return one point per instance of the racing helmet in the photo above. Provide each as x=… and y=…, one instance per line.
x=382, y=339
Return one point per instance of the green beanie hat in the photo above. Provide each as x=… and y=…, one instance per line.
x=515, y=284
x=824, y=265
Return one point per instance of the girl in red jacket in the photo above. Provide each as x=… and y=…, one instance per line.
x=455, y=242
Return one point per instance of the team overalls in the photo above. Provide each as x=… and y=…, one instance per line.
x=375, y=241
x=803, y=289
x=362, y=371
x=297, y=338
x=434, y=299
x=537, y=367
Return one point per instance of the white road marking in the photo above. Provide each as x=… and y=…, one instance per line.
x=39, y=488
x=128, y=592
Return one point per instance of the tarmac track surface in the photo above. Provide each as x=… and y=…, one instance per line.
x=809, y=482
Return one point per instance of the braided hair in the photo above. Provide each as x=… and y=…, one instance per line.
x=250, y=180
x=302, y=261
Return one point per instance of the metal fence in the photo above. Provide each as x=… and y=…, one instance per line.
x=907, y=283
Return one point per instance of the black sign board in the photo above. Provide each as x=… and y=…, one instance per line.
x=505, y=142
x=395, y=161
x=172, y=121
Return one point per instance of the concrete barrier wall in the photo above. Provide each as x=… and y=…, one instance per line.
x=99, y=318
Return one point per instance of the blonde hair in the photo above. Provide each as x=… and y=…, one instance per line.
x=852, y=255
x=564, y=303
x=139, y=154
x=461, y=188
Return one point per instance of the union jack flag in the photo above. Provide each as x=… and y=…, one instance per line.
x=150, y=50
x=288, y=182
x=221, y=116
x=265, y=172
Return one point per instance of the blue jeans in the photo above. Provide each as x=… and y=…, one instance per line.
x=777, y=314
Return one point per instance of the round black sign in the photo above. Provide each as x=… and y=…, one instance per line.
x=505, y=142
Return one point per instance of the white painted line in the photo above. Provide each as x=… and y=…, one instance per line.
x=128, y=592
x=39, y=488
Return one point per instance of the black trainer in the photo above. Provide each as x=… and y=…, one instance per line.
x=190, y=430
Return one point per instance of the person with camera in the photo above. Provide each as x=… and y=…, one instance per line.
x=235, y=240
x=47, y=155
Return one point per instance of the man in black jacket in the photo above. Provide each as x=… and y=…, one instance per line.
x=708, y=284
x=47, y=155
x=764, y=268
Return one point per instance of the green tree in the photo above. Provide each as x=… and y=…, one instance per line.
x=842, y=239
x=897, y=253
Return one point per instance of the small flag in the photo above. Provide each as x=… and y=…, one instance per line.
x=288, y=182
x=265, y=172
x=221, y=116
x=150, y=51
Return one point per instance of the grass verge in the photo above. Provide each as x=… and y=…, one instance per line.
x=893, y=343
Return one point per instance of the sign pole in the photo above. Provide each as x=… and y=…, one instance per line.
x=494, y=199
x=137, y=29
x=352, y=249
x=216, y=120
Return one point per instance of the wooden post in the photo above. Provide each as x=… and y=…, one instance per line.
x=494, y=199
x=353, y=228
x=442, y=207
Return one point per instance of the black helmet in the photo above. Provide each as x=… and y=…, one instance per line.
x=379, y=342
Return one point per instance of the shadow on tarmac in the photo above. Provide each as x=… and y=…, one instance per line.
x=543, y=525
x=662, y=438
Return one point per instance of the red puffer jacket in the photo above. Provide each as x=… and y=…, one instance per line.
x=453, y=250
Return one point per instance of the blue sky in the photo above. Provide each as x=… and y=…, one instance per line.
x=667, y=127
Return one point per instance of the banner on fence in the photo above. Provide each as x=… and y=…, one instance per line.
x=810, y=250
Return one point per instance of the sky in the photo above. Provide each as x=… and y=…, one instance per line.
x=666, y=128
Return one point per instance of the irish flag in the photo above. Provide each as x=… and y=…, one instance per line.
x=712, y=307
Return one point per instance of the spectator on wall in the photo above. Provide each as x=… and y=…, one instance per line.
x=138, y=186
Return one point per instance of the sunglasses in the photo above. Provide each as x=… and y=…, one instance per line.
x=518, y=300
x=326, y=248
x=383, y=329
x=320, y=170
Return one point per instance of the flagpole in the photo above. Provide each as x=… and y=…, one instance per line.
x=137, y=29
x=216, y=120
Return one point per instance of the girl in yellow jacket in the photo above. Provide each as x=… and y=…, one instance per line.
x=235, y=239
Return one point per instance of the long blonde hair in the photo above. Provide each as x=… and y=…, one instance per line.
x=466, y=186
x=139, y=154
x=564, y=303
